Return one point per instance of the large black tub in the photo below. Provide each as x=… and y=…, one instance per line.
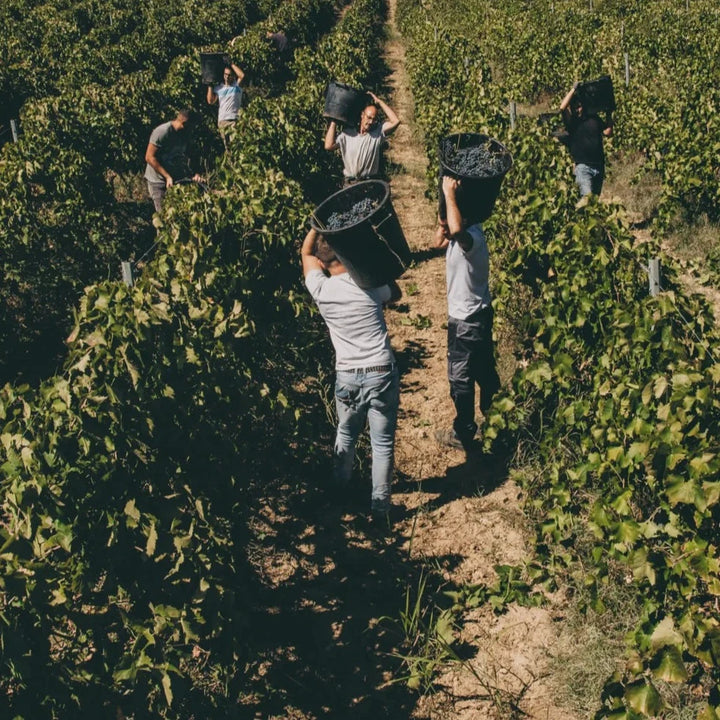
x=360, y=224
x=480, y=163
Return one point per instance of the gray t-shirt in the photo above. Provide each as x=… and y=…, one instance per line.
x=467, y=275
x=361, y=151
x=355, y=319
x=171, y=148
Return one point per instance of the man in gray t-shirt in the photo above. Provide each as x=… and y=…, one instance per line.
x=361, y=148
x=367, y=381
x=166, y=156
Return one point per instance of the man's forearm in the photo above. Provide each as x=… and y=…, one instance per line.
x=238, y=72
x=330, y=136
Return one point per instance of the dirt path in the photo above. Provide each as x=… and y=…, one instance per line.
x=467, y=517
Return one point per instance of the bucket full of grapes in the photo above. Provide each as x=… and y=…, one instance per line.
x=480, y=163
x=360, y=224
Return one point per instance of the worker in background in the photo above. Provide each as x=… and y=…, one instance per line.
x=361, y=147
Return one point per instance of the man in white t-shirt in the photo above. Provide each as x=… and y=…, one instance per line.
x=367, y=385
x=471, y=357
x=361, y=148
x=229, y=96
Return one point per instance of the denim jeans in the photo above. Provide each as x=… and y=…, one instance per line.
x=589, y=179
x=371, y=396
x=157, y=193
x=471, y=359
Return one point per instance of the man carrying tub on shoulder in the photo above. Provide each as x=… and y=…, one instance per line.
x=360, y=149
x=585, y=142
x=367, y=384
x=471, y=357
x=229, y=96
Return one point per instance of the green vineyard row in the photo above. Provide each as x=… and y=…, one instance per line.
x=615, y=397
x=128, y=479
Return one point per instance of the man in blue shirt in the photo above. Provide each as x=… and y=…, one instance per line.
x=229, y=96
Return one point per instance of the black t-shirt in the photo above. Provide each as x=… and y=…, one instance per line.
x=586, y=139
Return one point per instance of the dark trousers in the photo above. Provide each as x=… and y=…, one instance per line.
x=471, y=359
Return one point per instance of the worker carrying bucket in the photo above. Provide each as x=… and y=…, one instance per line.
x=586, y=130
x=363, y=136
x=472, y=167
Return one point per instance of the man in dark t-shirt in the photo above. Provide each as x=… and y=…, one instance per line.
x=585, y=142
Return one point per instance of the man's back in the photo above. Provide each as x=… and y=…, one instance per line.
x=354, y=318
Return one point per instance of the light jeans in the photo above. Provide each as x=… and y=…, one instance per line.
x=374, y=396
x=589, y=179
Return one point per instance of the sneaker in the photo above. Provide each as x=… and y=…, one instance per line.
x=449, y=438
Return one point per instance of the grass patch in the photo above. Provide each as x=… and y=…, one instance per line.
x=593, y=647
x=637, y=189
x=699, y=241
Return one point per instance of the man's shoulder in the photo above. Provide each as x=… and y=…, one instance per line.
x=162, y=130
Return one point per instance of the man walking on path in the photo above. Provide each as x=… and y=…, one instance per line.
x=585, y=142
x=367, y=385
x=229, y=96
x=361, y=148
x=471, y=357
x=166, y=155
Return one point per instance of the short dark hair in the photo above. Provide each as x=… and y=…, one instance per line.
x=188, y=113
x=324, y=252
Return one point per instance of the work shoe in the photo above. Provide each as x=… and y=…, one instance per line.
x=449, y=438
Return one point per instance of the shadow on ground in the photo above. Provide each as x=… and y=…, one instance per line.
x=335, y=583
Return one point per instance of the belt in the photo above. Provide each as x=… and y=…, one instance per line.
x=372, y=368
x=355, y=178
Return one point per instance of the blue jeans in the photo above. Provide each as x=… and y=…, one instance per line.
x=374, y=396
x=589, y=179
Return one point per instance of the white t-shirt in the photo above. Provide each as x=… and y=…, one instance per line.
x=355, y=319
x=467, y=275
x=229, y=100
x=361, y=151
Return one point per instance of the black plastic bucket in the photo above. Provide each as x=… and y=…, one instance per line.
x=372, y=244
x=480, y=163
x=344, y=103
x=211, y=67
x=597, y=95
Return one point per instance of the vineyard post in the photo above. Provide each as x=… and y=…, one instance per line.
x=627, y=69
x=591, y=5
x=127, y=273
x=15, y=132
x=654, y=275
x=513, y=114
x=435, y=31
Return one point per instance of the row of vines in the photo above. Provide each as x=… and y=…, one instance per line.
x=128, y=479
x=90, y=83
x=614, y=406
